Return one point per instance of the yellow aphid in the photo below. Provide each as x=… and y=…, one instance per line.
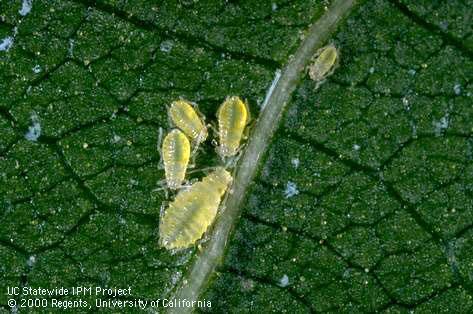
x=175, y=151
x=232, y=119
x=326, y=60
x=184, y=116
x=193, y=211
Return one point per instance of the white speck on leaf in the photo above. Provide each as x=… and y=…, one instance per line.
x=291, y=190
x=116, y=138
x=284, y=281
x=371, y=70
x=405, y=102
x=440, y=126
x=166, y=46
x=295, y=162
x=175, y=277
x=356, y=147
x=26, y=7
x=457, y=89
x=274, y=6
x=6, y=43
x=34, y=131
x=70, y=49
x=31, y=261
x=444, y=25
x=412, y=72
x=37, y=68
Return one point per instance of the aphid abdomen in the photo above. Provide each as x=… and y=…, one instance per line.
x=193, y=211
x=176, y=154
x=324, y=64
x=184, y=117
x=232, y=119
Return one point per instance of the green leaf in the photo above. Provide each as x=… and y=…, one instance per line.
x=362, y=203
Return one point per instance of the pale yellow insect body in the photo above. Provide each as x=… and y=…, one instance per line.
x=326, y=60
x=175, y=154
x=232, y=118
x=184, y=116
x=193, y=211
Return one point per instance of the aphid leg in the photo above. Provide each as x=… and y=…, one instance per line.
x=317, y=84
x=162, y=186
x=248, y=112
x=246, y=131
x=162, y=211
x=213, y=128
x=205, y=170
x=231, y=162
x=214, y=142
x=194, y=151
x=159, y=144
x=185, y=186
x=170, y=122
x=197, y=148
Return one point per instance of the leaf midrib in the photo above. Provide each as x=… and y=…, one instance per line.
x=267, y=123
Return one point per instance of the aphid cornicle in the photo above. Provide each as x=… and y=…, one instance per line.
x=232, y=119
x=175, y=152
x=184, y=116
x=193, y=211
x=326, y=60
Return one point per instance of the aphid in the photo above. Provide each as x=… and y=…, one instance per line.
x=184, y=116
x=326, y=60
x=175, y=152
x=193, y=211
x=232, y=118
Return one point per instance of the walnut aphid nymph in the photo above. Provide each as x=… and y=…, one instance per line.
x=193, y=211
x=184, y=116
x=175, y=152
x=233, y=116
x=324, y=63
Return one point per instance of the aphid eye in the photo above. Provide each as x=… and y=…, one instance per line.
x=175, y=154
x=232, y=118
x=325, y=62
x=185, y=117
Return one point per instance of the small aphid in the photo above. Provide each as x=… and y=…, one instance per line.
x=232, y=118
x=184, y=116
x=175, y=152
x=325, y=62
x=193, y=211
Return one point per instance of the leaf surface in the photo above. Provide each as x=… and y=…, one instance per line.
x=364, y=199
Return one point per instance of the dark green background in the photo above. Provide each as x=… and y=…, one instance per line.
x=382, y=221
